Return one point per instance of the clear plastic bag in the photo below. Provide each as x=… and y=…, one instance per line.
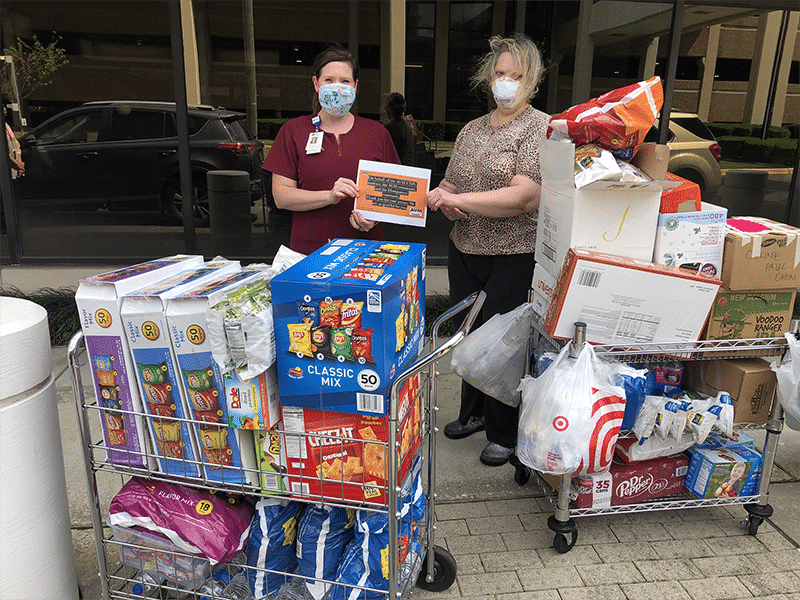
x=571, y=416
x=788, y=375
x=492, y=358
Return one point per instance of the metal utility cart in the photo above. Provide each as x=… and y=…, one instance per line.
x=434, y=568
x=756, y=506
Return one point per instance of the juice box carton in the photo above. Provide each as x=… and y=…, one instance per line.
x=254, y=403
x=348, y=318
x=724, y=473
x=165, y=402
x=99, y=299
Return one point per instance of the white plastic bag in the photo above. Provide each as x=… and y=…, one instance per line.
x=788, y=375
x=492, y=358
x=571, y=416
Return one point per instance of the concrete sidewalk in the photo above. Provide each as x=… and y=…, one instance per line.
x=497, y=530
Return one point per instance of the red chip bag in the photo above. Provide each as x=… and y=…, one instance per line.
x=362, y=344
x=616, y=121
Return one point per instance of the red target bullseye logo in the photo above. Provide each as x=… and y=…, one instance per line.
x=560, y=423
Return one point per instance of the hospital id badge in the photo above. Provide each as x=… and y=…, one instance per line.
x=314, y=144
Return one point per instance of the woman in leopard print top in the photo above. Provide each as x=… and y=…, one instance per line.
x=491, y=191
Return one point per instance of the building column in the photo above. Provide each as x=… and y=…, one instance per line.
x=499, y=17
x=397, y=46
x=584, y=56
x=778, y=118
x=190, y=61
x=441, y=37
x=204, y=71
x=647, y=66
x=761, y=68
x=707, y=78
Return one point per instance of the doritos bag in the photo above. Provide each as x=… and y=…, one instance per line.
x=616, y=121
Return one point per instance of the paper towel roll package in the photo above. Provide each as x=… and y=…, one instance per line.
x=24, y=334
x=99, y=299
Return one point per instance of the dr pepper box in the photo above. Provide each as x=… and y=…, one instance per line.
x=99, y=299
x=342, y=456
x=348, y=318
x=760, y=254
x=162, y=394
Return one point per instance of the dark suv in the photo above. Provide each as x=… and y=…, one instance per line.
x=124, y=156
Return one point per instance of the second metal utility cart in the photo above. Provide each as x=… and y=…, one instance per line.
x=757, y=506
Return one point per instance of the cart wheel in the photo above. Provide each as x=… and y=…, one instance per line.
x=521, y=475
x=753, y=523
x=562, y=543
x=444, y=571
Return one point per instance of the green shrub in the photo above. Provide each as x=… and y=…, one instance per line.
x=268, y=128
x=777, y=151
x=748, y=130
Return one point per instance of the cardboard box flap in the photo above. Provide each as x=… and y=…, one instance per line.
x=653, y=160
x=758, y=231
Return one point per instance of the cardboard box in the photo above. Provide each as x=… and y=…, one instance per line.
x=724, y=473
x=605, y=216
x=348, y=319
x=543, y=286
x=627, y=301
x=685, y=197
x=752, y=314
x=693, y=240
x=627, y=483
x=271, y=460
x=255, y=403
x=749, y=381
x=760, y=254
x=342, y=456
x=716, y=440
x=228, y=454
x=99, y=299
x=145, y=321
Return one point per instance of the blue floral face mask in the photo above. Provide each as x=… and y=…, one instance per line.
x=336, y=98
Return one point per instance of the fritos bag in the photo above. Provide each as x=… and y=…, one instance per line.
x=616, y=121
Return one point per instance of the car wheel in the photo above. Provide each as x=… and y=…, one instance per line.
x=173, y=200
x=693, y=176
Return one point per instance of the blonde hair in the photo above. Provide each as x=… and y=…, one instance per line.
x=528, y=58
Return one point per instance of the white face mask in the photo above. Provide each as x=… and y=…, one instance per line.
x=505, y=91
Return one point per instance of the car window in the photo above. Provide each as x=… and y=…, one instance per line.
x=78, y=129
x=696, y=126
x=652, y=135
x=132, y=124
x=239, y=130
x=195, y=124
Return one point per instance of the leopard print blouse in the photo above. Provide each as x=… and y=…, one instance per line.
x=486, y=158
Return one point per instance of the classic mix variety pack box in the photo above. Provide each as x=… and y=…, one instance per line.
x=99, y=299
x=145, y=322
x=760, y=254
x=348, y=318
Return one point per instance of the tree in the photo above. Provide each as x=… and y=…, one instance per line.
x=34, y=66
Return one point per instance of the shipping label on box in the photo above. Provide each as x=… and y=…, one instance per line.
x=606, y=216
x=348, y=319
x=760, y=254
x=692, y=241
x=99, y=299
x=252, y=404
x=626, y=301
x=543, y=286
x=727, y=473
x=750, y=382
x=753, y=314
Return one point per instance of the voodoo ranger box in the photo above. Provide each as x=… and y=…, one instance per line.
x=163, y=398
x=99, y=299
x=348, y=318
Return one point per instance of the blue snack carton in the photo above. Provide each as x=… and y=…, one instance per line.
x=724, y=473
x=348, y=319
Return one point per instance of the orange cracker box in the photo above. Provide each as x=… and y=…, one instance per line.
x=683, y=198
x=342, y=456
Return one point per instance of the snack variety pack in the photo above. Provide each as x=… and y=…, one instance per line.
x=348, y=319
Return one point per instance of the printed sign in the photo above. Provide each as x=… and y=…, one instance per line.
x=392, y=193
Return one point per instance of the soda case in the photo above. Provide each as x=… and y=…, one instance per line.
x=143, y=314
x=348, y=318
x=228, y=455
x=99, y=299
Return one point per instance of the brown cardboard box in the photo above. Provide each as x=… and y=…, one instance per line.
x=760, y=254
x=750, y=314
x=749, y=381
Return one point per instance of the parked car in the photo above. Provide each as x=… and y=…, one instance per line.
x=123, y=155
x=694, y=153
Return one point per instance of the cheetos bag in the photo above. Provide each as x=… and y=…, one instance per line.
x=571, y=416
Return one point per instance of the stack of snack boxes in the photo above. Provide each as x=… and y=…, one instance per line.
x=348, y=319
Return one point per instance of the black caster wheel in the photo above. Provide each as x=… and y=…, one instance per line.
x=444, y=571
x=753, y=523
x=564, y=543
x=521, y=475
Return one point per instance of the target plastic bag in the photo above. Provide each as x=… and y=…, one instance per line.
x=616, y=121
x=492, y=358
x=571, y=416
x=788, y=375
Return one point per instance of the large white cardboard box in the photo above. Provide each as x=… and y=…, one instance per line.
x=543, y=285
x=605, y=216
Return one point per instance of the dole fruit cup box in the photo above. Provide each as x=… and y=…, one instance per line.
x=724, y=473
x=348, y=318
x=99, y=299
x=164, y=400
x=343, y=456
x=254, y=403
x=227, y=453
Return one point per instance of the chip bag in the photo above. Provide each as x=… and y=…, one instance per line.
x=271, y=547
x=616, y=121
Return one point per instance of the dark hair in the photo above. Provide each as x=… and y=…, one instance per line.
x=335, y=53
x=395, y=106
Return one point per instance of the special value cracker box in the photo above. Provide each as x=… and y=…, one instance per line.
x=348, y=318
x=343, y=456
x=692, y=240
x=99, y=299
x=164, y=400
x=227, y=454
x=726, y=473
x=760, y=254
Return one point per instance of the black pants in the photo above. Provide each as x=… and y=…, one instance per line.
x=506, y=280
